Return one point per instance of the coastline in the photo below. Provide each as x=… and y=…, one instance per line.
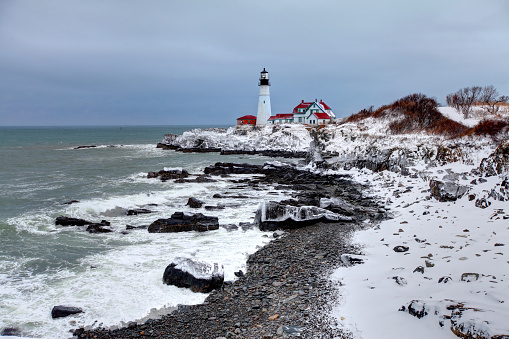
x=286, y=287
x=449, y=175
x=286, y=284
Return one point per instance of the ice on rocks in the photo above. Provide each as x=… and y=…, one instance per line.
x=291, y=138
x=199, y=269
x=274, y=211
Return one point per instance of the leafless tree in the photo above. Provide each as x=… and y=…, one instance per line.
x=491, y=100
x=464, y=99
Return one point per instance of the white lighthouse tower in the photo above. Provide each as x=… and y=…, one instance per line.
x=264, y=111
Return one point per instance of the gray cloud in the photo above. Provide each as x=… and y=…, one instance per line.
x=147, y=62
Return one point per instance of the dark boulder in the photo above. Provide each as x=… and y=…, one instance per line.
x=194, y=203
x=180, y=222
x=272, y=216
x=99, y=227
x=204, y=178
x=67, y=221
x=169, y=174
x=198, y=276
x=64, y=311
x=221, y=168
x=10, y=331
x=137, y=211
x=166, y=146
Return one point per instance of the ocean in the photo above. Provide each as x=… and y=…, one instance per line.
x=115, y=277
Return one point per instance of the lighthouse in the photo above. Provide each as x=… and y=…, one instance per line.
x=264, y=111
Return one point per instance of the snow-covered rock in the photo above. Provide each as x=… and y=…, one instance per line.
x=447, y=191
x=290, y=138
x=199, y=276
x=272, y=215
x=498, y=162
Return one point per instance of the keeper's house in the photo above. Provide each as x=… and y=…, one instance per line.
x=311, y=113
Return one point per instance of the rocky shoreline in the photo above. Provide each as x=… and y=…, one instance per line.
x=286, y=290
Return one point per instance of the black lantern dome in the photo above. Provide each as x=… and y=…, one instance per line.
x=264, y=78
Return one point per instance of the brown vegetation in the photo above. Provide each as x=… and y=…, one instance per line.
x=490, y=128
x=418, y=113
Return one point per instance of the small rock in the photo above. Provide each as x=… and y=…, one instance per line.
x=469, y=277
x=444, y=280
x=400, y=280
x=274, y=317
x=194, y=203
x=401, y=248
x=419, y=269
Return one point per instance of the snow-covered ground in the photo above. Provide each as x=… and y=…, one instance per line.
x=449, y=274
x=453, y=241
x=292, y=138
x=436, y=269
x=453, y=114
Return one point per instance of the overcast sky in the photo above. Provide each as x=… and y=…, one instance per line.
x=123, y=62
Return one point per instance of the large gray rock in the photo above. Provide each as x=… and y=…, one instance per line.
x=497, y=163
x=272, y=216
x=199, y=276
x=180, y=222
x=446, y=191
x=64, y=311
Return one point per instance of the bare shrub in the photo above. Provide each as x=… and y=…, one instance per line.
x=491, y=128
x=487, y=97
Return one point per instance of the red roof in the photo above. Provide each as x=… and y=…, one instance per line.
x=324, y=105
x=301, y=105
x=322, y=115
x=306, y=105
x=247, y=117
x=281, y=116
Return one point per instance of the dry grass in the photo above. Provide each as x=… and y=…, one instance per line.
x=418, y=113
x=490, y=128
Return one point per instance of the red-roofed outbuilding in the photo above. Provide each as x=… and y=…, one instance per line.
x=247, y=120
